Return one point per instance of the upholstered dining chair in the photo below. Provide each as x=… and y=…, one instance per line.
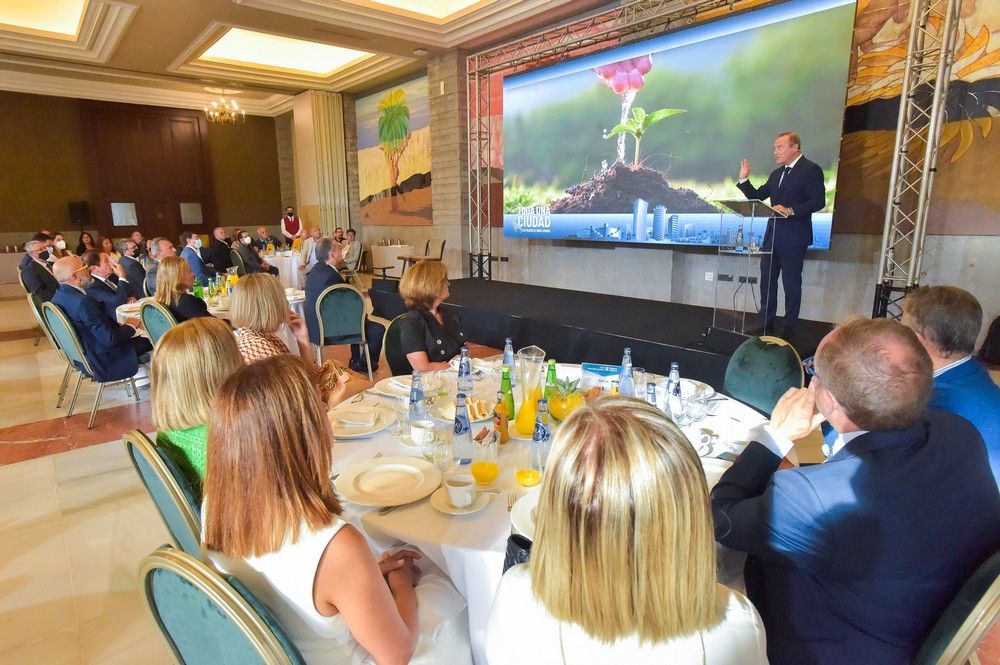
x=67, y=339
x=38, y=337
x=241, y=267
x=393, y=345
x=156, y=319
x=340, y=311
x=350, y=272
x=966, y=620
x=36, y=308
x=761, y=370
x=209, y=618
x=174, y=498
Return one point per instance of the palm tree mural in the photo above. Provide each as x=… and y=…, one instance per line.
x=393, y=135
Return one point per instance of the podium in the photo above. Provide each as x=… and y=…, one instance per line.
x=736, y=270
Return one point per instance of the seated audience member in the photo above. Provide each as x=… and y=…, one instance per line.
x=431, y=336
x=947, y=320
x=86, y=243
x=853, y=560
x=189, y=364
x=58, y=248
x=252, y=259
x=113, y=349
x=47, y=243
x=173, y=281
x=324, y=275
x=135, y=274
x=192, y=254
x=264, y=239
x=307, y=257
x=140, y=243
x=338, y=234
x=217, y=252
x=35, y=273
x=352, y=251
x=111, y=296
x=159, y=249
x=625, y=480
x=280, y=532
x=108, y=247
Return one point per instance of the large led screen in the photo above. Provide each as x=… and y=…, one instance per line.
x=637, y=144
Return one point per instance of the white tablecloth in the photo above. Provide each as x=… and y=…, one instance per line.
x=287, y=264
x=387, y=255
x=470, y=549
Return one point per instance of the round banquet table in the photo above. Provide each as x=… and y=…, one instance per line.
x=388, y=255
x=287, y=263
x=470, y=548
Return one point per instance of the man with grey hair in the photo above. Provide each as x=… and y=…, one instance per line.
x=159, y=249
x=217, y=254
x=35, y=271
x=307, y=255
x=853, y=560
x=135, y=274
x=324, y=275
x=947, y=321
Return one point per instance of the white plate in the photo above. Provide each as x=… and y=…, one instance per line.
x=522, y=515
x=445, y=410
x=388, y=481
x=383, y=418
x=131, y=308
x=399, y=386
x=442, y=503
x=714, y=468
x=688, y=386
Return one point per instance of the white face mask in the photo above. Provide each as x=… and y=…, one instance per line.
x=246, y=240
x=197, y=243
x=60, y=244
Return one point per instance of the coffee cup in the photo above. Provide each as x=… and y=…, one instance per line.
x=461, y=490
x=422, y=432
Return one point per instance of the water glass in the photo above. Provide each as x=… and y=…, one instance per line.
x=400, y=409
x=639, y=379
x=485, y=460
x=695, y=405
x=438, y=451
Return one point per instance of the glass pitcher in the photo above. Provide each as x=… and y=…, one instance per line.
x=531, y=364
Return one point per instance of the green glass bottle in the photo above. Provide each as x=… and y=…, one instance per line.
x=508, y=394
x=198, y=293
x=550, y=379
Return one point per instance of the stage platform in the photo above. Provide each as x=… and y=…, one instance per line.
x=576, y=326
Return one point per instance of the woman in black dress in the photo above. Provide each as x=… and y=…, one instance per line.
x=173, y=279
x=430, y=336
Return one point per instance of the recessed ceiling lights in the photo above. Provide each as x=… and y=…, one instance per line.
x=264, y=50
x=434, y=8
x=53, y=18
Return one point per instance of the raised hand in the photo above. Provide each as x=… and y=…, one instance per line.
x=744, y=168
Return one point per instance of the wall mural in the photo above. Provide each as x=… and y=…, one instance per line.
x=394, y=155
x=965, y=199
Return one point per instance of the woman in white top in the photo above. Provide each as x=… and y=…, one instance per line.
x=622, y=568
x=272, y=518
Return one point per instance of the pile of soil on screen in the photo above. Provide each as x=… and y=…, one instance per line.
x=615, y=189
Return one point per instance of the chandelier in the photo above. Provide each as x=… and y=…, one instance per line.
x=225, y=110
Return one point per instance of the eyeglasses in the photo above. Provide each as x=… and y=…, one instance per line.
x=809, y=365
x=81, y=269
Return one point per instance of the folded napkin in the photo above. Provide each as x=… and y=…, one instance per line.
x=353, y=419
x=402, y=381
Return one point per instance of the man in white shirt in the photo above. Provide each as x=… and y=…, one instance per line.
x=110, y=295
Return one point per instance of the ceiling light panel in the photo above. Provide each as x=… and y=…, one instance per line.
x=53, y=18
x=260, y=49
x=438, y=9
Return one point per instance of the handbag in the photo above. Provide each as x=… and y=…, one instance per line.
x=518, y=551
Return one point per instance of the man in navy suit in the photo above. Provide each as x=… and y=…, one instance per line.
x=853, y=560
x=192, y=254
x=947, y=320
x=322, y=276
x=113, y=349
x=795, y=190
x=35, y=271
x=135, y=274
x=109, y=294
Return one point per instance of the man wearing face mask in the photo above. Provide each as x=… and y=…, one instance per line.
x=114, y=350
x=291, y=226
x=251, y=258
x=35, y=272
x=102, y=288
x=192, y=254
x=46, y=241
x=135, y=274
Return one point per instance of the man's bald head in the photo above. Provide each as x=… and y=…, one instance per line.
x=64, y=268
x=878, y=372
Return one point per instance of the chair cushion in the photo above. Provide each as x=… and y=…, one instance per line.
x=268, y=618
x=760, y=372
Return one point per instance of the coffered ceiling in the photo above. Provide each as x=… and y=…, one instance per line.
x=171, y=52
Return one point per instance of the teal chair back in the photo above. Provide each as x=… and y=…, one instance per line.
x=241, y=267
x=35, y=303
x=66, y=338
x=761, y=370
x=340, y=311
x=156, y=319
x=173, y=497
x=393, y=345
x=209, y=619
x=966, y=620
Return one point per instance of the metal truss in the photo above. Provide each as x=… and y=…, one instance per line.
x=633, y=20
x=926, y=77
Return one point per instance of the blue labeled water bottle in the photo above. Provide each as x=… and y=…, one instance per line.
x=541, y=438
x=508, y=360
x=464, y=372
x=626, y=384
x=461, y=442
x=418, y=405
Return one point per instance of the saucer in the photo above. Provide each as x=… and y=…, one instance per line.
x=442, y=503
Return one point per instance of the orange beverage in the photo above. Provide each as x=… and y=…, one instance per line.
x=527, y=477
x=485, y=472
x=525, y=421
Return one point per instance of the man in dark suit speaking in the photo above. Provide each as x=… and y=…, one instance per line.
x=795, y=190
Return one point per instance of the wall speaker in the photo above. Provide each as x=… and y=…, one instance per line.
x=79, y=213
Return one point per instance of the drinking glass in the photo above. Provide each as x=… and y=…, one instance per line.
x=438, y=451
x=401, y=409
x=528, y=471
x=443, y=378
x=485, y=461
x=695, y=405
x=639, y=379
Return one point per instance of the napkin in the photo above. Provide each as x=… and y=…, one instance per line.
x=402, y=381
x=353, y=419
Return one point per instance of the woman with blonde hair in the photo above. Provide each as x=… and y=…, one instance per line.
x=174, y=278
x=258, y=308
x=430, y=336
x=622, y=568
x=189, y=364
x=272, y=519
